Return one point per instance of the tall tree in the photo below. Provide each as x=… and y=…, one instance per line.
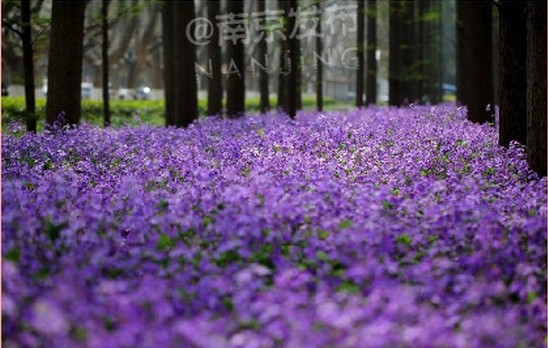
x=28, y=63
x=474, y=61
x=262, y=51
x=65, y=65
x=319, y=63
x=293, y=78
x=168, y=40
x=235, y=89
x=215, y=83
x=371, y=75
x=395, y=65
x=512, y=72
x=360, y=52
x=283, y=69
x=179, y=58
x=104, y=54
x=536, y=86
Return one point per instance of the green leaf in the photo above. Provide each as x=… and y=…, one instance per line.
x=404, y=239
x=345, y=224
x=323, y=234
x=531, y=296
x=350, y=287
x=13, y=255
x=164, y=242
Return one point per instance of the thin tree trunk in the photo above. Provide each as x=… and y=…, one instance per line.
x=263, y=74
x=28, y=63
x=282, y=71
x=215, y=83
x=360, y=52
x=235, y=89
x=371, y=76
x=65, y=65
x=104, y=52
x=319, y=63
x=293, y=88
x=512, y=72
x=168, y=25
x=536, y=86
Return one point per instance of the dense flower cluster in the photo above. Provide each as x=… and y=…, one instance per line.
x=379, y=227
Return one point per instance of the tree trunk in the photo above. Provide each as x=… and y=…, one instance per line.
x=395, y=83
x=179, y=59
x=461, y=41
x=476, y=55
x=360, y=52
x=262, y=51
x=186, y=97
x=104, y=52
x=65, y=65
x=536, y=86
x=282, y=71
x=168, y=25
x=293, y=86
x=215, y=83
x=28, y=66
x=512, y=72
x=235, y=89
x=319, y=63
x=371, y=76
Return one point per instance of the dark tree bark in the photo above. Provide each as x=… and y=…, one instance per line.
x=395, y=74
x=319, y=63
x=512, y=72
x=476, y=89
x=65, y=65
x=293, y=85
x=415, y=38
x=104, y=54
x=283, y=69
x=536, y=86
x=371, y=76
x=360, y=52
x=168, y=25
x=215, y=83
x=460, y=63
x=28, y=66
x=182, y=97
x=262, y=51
x=235, y=89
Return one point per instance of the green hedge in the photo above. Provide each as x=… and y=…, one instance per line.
x=129, y=111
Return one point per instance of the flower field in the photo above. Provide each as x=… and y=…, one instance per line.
x=378, y=227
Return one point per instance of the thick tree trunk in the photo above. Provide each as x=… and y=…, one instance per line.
x=235, y=89
x=181, y=89
x=476, y=56
x=185, y=57
x=319, y=63
x=512, y=72
x=104, y=53
x=283, y=68
x=360, y=52
x=262, y=51
x=461, y=42
x=28, y=66
x=65, y=65
x=536, y=86
x=215, y=82
x=371, y=76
